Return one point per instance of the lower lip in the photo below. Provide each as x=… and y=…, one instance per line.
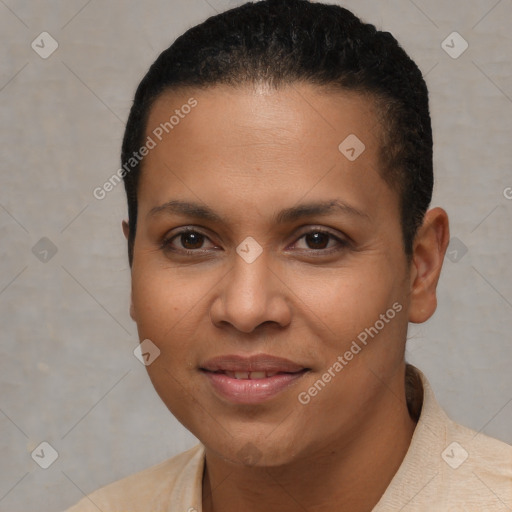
x=251, y=391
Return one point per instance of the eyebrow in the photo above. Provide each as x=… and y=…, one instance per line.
x=288, y=215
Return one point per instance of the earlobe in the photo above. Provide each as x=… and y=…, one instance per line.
x=429, y=249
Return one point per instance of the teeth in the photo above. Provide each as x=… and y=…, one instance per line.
x=250, y=375
x=258, y=375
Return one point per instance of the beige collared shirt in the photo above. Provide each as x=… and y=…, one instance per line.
x=448, y=467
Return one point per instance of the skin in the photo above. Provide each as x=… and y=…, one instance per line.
x=248, y=153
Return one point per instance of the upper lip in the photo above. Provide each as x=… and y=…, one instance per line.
x=255, y=363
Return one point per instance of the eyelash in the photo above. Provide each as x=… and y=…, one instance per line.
x=166, y=243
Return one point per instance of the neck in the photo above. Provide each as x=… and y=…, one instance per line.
x=345, y=475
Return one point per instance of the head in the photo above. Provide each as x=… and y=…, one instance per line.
x=255, y=116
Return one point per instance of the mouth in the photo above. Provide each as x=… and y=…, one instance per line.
x=251, y=380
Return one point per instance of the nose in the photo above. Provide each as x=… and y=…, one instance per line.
x=251, y=294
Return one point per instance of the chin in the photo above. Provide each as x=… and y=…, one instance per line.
x=254, y=451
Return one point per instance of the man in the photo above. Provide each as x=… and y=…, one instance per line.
x=278, y=169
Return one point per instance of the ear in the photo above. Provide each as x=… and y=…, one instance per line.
x=126, y=231
x=429, y=248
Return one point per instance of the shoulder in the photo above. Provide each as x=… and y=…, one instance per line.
x=472, y=468
x=153, y=488
x=483, y=460
x=450, y=467
x=465, y=450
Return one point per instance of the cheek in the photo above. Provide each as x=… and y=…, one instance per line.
x=346, y=301
x=161, y=306
x=167, y=304
x=160, y=298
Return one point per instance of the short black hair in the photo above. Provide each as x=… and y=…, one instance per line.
x=283, y=42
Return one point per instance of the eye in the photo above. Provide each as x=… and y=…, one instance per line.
x=190, y=240
x=317, y=240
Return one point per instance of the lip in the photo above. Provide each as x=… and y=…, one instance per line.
x=247, y=390
x=255, y=363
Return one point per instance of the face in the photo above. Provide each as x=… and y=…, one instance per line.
x=264, y=255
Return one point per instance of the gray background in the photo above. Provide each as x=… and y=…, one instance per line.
x=67, y=371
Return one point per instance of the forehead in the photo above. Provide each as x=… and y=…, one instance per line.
x=302, y=113
x=252, y=140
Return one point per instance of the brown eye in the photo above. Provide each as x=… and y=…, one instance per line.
x=191, y=240
x=187, y=241
x=318, y=241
